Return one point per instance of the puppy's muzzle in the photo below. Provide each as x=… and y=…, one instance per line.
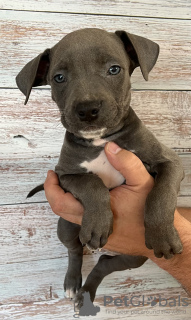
x=88, y=111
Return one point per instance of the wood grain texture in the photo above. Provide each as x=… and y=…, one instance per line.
x=166, y=114
x=32, y=137
x=31, y=229
x=22, y=285
x=24, y=36
x=28, y=232
x=156, y=8
x=32, y=260
x=33, y=264
x=19, y=176
x=60, y=309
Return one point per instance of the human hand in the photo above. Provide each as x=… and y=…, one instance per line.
x=127, y=202
x=64, y=204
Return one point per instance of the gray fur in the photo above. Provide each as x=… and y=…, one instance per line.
x=91, y=99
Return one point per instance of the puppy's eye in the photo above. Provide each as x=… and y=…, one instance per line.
x=114, y=70
x=59, y=78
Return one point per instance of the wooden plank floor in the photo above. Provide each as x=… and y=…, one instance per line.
x=32, y=260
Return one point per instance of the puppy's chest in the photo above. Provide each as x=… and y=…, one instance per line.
x=101, y=166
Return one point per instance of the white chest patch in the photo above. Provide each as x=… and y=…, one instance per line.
x=101, y=166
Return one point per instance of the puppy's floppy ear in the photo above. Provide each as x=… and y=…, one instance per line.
x=33, y=74
x=143, y=52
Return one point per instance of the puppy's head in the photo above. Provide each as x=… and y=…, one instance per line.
x=89, y=73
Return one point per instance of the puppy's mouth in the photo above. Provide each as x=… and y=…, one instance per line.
x=92, y=132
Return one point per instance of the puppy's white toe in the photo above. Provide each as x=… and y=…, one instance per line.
x=69, y=294
x=90, y=248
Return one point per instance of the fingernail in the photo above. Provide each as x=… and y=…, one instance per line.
x=113, y=148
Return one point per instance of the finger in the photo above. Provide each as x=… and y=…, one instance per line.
x=129, y=165
x=52, y=188
x=62, y=203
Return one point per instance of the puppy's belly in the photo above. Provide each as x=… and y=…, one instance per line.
x=101, y=166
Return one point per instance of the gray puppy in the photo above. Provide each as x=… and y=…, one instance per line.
x=89, y=73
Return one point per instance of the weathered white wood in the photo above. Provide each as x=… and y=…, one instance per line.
x=166, y=114
x=60, y=308
x=33, y=265
x=25, y=160
x=32, y=260
x=156, y=8
x=29, y=232
x=184, y=201
x=19, y=176
x=38, y=292
x=40, y=119
x=24, y=35
x=42, y=280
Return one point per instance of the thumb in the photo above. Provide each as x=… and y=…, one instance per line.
x=130, y=166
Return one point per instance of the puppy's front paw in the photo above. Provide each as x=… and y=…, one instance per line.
x=96, y=229
x=164, y=240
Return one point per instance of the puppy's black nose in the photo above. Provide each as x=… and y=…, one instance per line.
x=88, y=111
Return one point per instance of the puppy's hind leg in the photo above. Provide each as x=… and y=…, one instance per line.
x=68, y=234
x=106, y=265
